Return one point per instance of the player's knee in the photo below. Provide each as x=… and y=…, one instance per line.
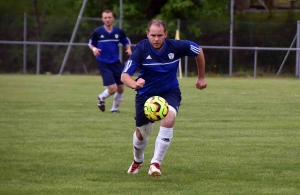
x=112, y=89
x=139, y=134
x=120, y=88
x=145, y=130
x=169, y=120
x=172, y=109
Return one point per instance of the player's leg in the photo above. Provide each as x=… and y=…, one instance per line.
x=162, y=143
x=117, y=69
x=118, y=97
x=140, y=136
x=108, y=82
x=165, y=134
x=140, y=141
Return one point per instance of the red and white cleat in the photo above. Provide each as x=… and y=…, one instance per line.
x=154, y=170
x=134, y=168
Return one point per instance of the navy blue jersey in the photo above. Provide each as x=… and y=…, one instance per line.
x=108, y=43
x=159, y=69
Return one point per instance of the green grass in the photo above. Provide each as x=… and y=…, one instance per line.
x=238, y=136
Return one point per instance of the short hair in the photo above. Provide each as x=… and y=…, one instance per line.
x=157, y=22
x=108, y=11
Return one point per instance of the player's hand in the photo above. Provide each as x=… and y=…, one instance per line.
x=140, y=83
x=128, y=52
x=201, y=83
x=96, y=51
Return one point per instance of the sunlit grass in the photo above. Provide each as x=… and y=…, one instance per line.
x=238, y=136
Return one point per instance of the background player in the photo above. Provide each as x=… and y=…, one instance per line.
x=104, y=44
x=157, y=58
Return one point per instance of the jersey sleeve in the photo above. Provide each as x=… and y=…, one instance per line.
x=188, y=48
x=194, y=49
x=93, y=39
x=133, y=62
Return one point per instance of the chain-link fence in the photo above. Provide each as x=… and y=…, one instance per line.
x=205, y=33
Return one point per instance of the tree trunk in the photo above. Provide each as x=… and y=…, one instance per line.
x=269, y=4
x=37, y=20
x=241, y=5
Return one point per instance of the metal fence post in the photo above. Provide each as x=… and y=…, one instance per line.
x=231, y=36
x=24, y=45
x=121, y=26
x=286, y=55
x=298, y=51
x=185, y=66
x=255, y=63
x=38, y=57
x=72, y=38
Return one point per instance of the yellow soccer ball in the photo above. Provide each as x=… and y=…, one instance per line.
x=156, y=108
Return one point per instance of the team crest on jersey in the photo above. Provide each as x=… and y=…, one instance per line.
x=116, y=36
x=171, y=56
x=101, y=36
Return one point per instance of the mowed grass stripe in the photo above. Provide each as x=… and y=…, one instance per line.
x=238, y=136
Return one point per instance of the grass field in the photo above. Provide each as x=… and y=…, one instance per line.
x=238, y=136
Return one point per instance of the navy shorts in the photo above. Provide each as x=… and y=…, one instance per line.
x=173, y=98
x=110, y=72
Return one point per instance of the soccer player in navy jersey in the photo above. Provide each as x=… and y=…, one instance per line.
x=157, y=58
x=104, y=44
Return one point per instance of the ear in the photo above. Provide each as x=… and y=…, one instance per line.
x=147, y=33
x=166, y=34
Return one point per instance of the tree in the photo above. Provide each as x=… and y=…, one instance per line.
x=241, y=5
x=37, y=19
x=270, y=6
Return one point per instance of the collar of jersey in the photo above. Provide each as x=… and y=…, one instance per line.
x=158, y=52
x=112, y=30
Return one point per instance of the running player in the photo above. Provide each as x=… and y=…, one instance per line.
x=157, y=58
x=104, y=44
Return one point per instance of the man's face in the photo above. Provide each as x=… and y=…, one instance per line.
x=107, y=19
x=156, y=36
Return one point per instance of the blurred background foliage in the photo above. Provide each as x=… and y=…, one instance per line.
x=206, y=22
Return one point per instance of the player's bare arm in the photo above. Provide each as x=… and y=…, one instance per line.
x=96, y=51
x=128, y=50
x=200, y=61
x=130, y=82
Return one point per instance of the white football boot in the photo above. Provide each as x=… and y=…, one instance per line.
x=155, y=170
x=134, y=168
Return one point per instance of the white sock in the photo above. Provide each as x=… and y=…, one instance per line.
x=104, y=94
x=138, y=148
x=118, y=97
x=162, y=144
